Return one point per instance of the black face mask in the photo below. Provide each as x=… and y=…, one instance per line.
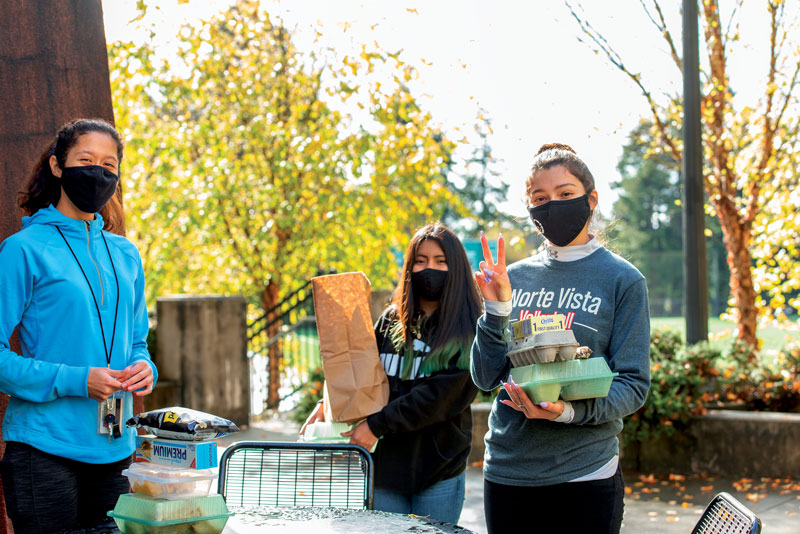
x=89, y=187
x=561, y=220
x=428, y=284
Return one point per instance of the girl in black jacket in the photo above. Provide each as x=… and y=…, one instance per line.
x=424, y=340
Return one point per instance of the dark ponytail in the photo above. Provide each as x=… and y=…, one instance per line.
x=44, y=189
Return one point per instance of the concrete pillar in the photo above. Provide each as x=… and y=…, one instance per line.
x=53, y=68
x=202, y=344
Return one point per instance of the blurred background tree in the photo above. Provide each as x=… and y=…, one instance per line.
x=480, y=186
x=646, y=228
x=749, y=148
x=253, y=164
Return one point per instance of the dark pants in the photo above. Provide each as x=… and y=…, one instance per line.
x=593, y=507
x=46, y=493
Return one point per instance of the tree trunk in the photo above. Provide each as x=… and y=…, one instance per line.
x=269, y=299
x=737, y=243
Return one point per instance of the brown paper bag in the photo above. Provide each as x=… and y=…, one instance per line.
x=355, y=382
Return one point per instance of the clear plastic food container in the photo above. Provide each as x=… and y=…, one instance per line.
x=166, y=482
x=326, y=432
x=329, y=432
x=139, y=514
x=571, y=380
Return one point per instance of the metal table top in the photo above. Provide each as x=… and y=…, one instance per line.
x=319, y=521
x=333, y=521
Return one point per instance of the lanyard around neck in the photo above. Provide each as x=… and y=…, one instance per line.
x=116, y=306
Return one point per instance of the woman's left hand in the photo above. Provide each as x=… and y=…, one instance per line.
x=522, y=403
x=137, y=376
x=362, y=435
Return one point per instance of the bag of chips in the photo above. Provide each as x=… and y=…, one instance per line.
x=178, y=422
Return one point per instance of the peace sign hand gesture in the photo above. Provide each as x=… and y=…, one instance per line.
x=492, y=279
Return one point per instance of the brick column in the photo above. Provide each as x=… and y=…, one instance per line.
x=53, y=68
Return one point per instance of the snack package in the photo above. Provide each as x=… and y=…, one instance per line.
x=355, y=382
x=177, y=453
x=537, y=324
x=182, y=423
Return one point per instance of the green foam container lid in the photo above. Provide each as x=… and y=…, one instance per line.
x=571, y=380
x=136, y=513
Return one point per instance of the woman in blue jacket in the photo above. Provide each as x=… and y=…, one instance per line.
x=75, y=292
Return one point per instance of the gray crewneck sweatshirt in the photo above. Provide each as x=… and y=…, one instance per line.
x=605, y=301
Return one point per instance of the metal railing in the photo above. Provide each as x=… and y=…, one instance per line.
x=286, y=334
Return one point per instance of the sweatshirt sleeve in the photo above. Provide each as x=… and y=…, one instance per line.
x=27, y=378
x=141, y=324
x=629, y=355
x=488, y=362
x=435, y=399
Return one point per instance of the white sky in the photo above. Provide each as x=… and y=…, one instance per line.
x=519, y=60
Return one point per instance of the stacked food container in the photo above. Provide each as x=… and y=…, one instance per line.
x=329, y=432
x=548, y=363
x=171, y=478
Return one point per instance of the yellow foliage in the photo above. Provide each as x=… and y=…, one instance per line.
x=244, y=169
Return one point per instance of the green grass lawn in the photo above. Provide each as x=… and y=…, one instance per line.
x=721, y=332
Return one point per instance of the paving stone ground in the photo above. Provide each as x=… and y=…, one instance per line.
x=653, y=505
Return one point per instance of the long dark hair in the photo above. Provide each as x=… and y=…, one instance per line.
x=44, y=189
x=459, y=307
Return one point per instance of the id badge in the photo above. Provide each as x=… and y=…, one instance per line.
x=110, y=413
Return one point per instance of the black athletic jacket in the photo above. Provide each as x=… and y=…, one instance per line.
x=426, y=428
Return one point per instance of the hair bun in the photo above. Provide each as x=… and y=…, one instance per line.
x=555, y=146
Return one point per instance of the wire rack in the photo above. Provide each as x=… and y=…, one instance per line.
x=726, y=515
x=296, y=475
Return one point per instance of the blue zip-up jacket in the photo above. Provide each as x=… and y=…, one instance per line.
x=44, y=294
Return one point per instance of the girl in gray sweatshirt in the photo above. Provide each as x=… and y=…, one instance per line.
x=557, y=463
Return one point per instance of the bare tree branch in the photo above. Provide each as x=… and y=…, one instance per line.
x=727, y=35
x=779, y=23
x=661, y=24
x=717, y=101
x=769, y=126
x=602, y=45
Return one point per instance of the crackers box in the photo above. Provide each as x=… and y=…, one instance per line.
x=176, y=453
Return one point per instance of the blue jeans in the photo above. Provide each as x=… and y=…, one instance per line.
x=442, y=501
